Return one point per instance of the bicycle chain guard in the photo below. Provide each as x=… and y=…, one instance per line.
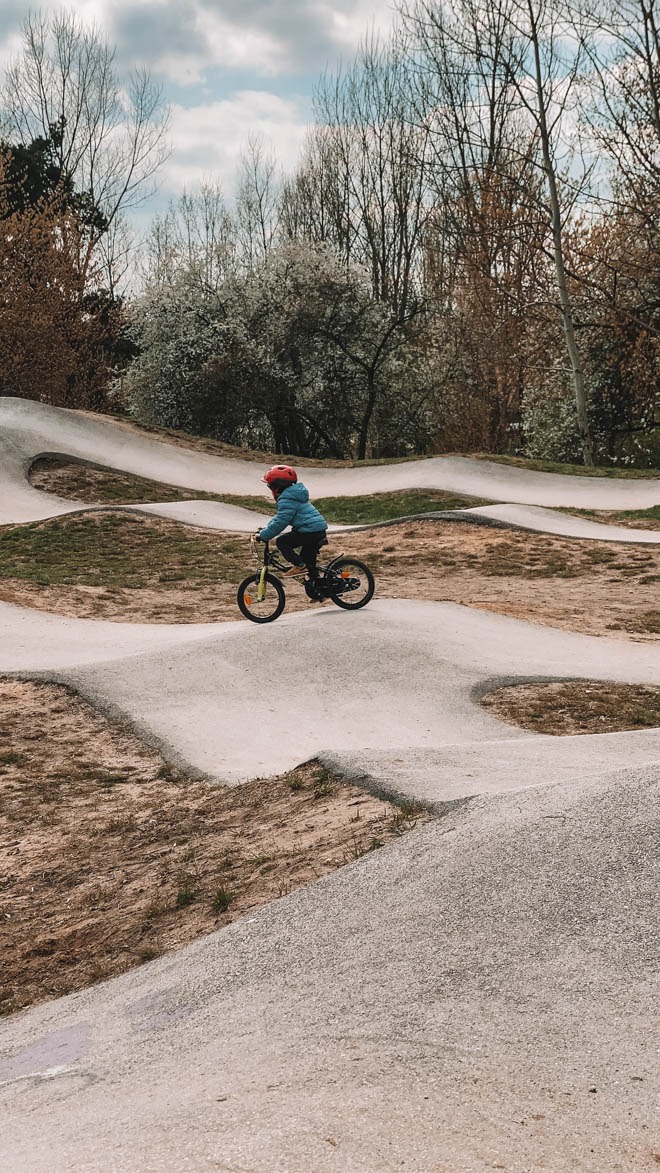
x=328, y=586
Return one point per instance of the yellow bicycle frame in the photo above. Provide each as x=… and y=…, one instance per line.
x=261, y=592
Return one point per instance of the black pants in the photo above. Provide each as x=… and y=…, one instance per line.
x=308, y=544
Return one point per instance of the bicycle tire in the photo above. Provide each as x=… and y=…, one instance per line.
x=344, y=600
x=242, y=596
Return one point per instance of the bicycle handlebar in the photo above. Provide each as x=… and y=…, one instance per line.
x=256, y=554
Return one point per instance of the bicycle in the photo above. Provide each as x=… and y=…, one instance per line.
x=347, y=582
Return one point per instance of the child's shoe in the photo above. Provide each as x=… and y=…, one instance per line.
x=294, y=571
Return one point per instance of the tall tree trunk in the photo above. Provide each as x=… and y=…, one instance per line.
x=366, y=419
x=558, y=249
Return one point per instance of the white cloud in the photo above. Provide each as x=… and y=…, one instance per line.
x=220, y=43
x=243, y=47
x=9, y=48
x=208, y=140
x=191, y=42
x=181, y=39
x=269, y=38
x=350, y=22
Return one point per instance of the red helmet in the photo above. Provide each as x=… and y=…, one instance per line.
x=279, y=477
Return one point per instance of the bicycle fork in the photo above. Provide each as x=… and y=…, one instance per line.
x=261, y=590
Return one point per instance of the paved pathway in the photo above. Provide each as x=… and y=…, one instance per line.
x=394, y=683
x=482, y=994
x=28, y=430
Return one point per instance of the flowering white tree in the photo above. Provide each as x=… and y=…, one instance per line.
x=296, y=355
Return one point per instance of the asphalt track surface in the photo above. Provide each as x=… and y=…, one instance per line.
x=29, y=430
x=482, y=994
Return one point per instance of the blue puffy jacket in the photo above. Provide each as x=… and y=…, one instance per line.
x=295, y=509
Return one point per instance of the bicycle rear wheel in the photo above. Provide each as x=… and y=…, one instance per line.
x=261, y=610
x=357, y=584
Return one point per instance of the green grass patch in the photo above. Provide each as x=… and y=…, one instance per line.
x=105, y=486
x=377, y=507
x=184, y=897
x=114, y=551
x=370, y=508
x=578, y=470
x=221, y=901
x=652, y=514
x=12, y=759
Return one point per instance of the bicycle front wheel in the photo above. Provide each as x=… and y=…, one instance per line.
x=261, y=610
x=357, y=584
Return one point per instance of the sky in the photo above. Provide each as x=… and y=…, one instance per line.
x=228, y=68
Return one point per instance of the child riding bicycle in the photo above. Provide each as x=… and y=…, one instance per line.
x=300, y=547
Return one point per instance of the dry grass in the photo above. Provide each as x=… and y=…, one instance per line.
x=109, y=857
x=592, y=587
x=636, y=622
x=580, y=706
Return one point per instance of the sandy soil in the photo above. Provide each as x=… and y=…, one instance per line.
x=591, y=587
x=109, y=857
x=209, y=604
x=575, y=707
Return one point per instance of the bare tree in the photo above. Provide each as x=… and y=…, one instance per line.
x=115, y=256
x=257, y=203
x=460, y=58
x=315, y=201
x=192, y=243
x=109, y=136
x=518, y=82
x=621, y=95
x=544, y=78
x=380, y=156
x=484, y=240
